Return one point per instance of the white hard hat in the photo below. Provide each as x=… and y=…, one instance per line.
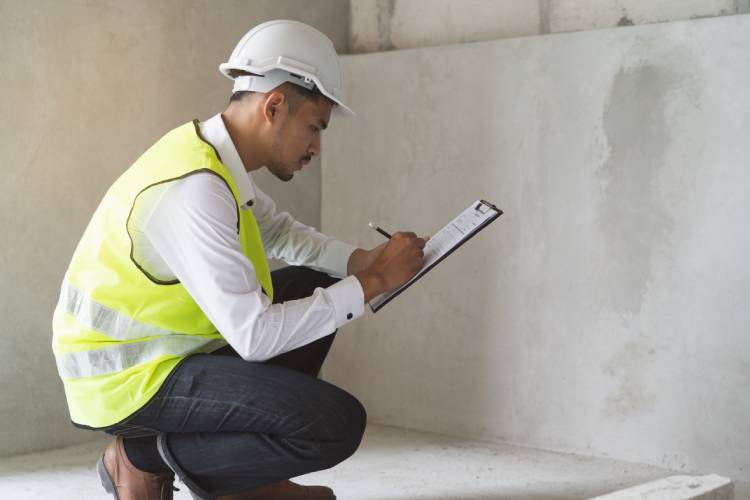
x=286, y=51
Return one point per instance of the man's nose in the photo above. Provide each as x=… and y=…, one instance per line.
x=315, y=146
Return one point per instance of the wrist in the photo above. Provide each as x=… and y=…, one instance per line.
x=372, y=283
x=356, y=260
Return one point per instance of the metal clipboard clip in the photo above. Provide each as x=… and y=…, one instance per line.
x=485, y=206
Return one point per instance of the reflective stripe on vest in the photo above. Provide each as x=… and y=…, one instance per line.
x=119, y=357
x=103, y=319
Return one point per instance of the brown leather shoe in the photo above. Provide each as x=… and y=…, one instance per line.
x=121, y=478
x=284, y=490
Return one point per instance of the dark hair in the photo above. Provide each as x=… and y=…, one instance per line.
x=294, y=94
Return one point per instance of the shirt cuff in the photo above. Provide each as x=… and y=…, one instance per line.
x=348, y=300
x=335, y=258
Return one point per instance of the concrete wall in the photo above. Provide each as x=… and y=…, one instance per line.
x=85, y=87
x=606, y=312
x=378, y=25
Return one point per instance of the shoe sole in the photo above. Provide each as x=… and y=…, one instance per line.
x=106, y=479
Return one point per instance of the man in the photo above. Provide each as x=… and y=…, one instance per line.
x=172, y=334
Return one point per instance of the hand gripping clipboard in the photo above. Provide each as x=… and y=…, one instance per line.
x=457, y=232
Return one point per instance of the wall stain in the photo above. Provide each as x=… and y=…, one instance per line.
x=625, y=21
x=386, y=9
x=544, y=17
x=628, y=366
x=631, y=214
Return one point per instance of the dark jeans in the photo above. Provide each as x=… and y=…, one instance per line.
x=226, y=425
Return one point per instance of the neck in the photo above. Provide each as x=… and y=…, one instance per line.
x=244, y=129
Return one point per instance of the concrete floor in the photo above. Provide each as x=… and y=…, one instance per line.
x=390, y=464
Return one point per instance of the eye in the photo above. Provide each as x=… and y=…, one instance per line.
x=314, y=129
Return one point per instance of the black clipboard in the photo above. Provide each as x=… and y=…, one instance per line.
x=488, y=213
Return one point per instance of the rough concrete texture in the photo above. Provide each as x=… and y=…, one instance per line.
x=595, y=14
x=392, y=464
x=86, y=87
x=606, y=312
x=710, y=487
x=378, y=25
x=391, y=24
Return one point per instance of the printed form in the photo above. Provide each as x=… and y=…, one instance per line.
x=450, y=237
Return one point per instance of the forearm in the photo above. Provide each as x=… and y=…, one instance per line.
x=358, y=261
x=362, y=259
x=372, y=283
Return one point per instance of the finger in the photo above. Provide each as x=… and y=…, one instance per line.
x=420, y=242
x=409, y=234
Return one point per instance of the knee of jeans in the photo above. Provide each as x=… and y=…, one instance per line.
x=359, y=420
x=354, y=428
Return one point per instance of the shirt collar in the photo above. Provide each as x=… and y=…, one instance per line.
x=215, y=132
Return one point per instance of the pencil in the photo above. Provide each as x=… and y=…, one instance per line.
x=381, y=231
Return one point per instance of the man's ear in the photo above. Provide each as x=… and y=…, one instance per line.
x=273, y=105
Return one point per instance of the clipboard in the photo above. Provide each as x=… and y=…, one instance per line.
x=461, y=229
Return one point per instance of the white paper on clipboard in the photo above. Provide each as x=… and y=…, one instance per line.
x=454, y=234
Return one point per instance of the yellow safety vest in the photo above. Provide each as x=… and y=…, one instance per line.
x=118, y=331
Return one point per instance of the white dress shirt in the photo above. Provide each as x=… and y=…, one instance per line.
x=187, y=230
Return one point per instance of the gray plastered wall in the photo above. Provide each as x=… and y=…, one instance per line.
x=379, y=25
x=606, y=312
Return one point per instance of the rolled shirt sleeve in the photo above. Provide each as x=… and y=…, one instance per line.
x=193, y=227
